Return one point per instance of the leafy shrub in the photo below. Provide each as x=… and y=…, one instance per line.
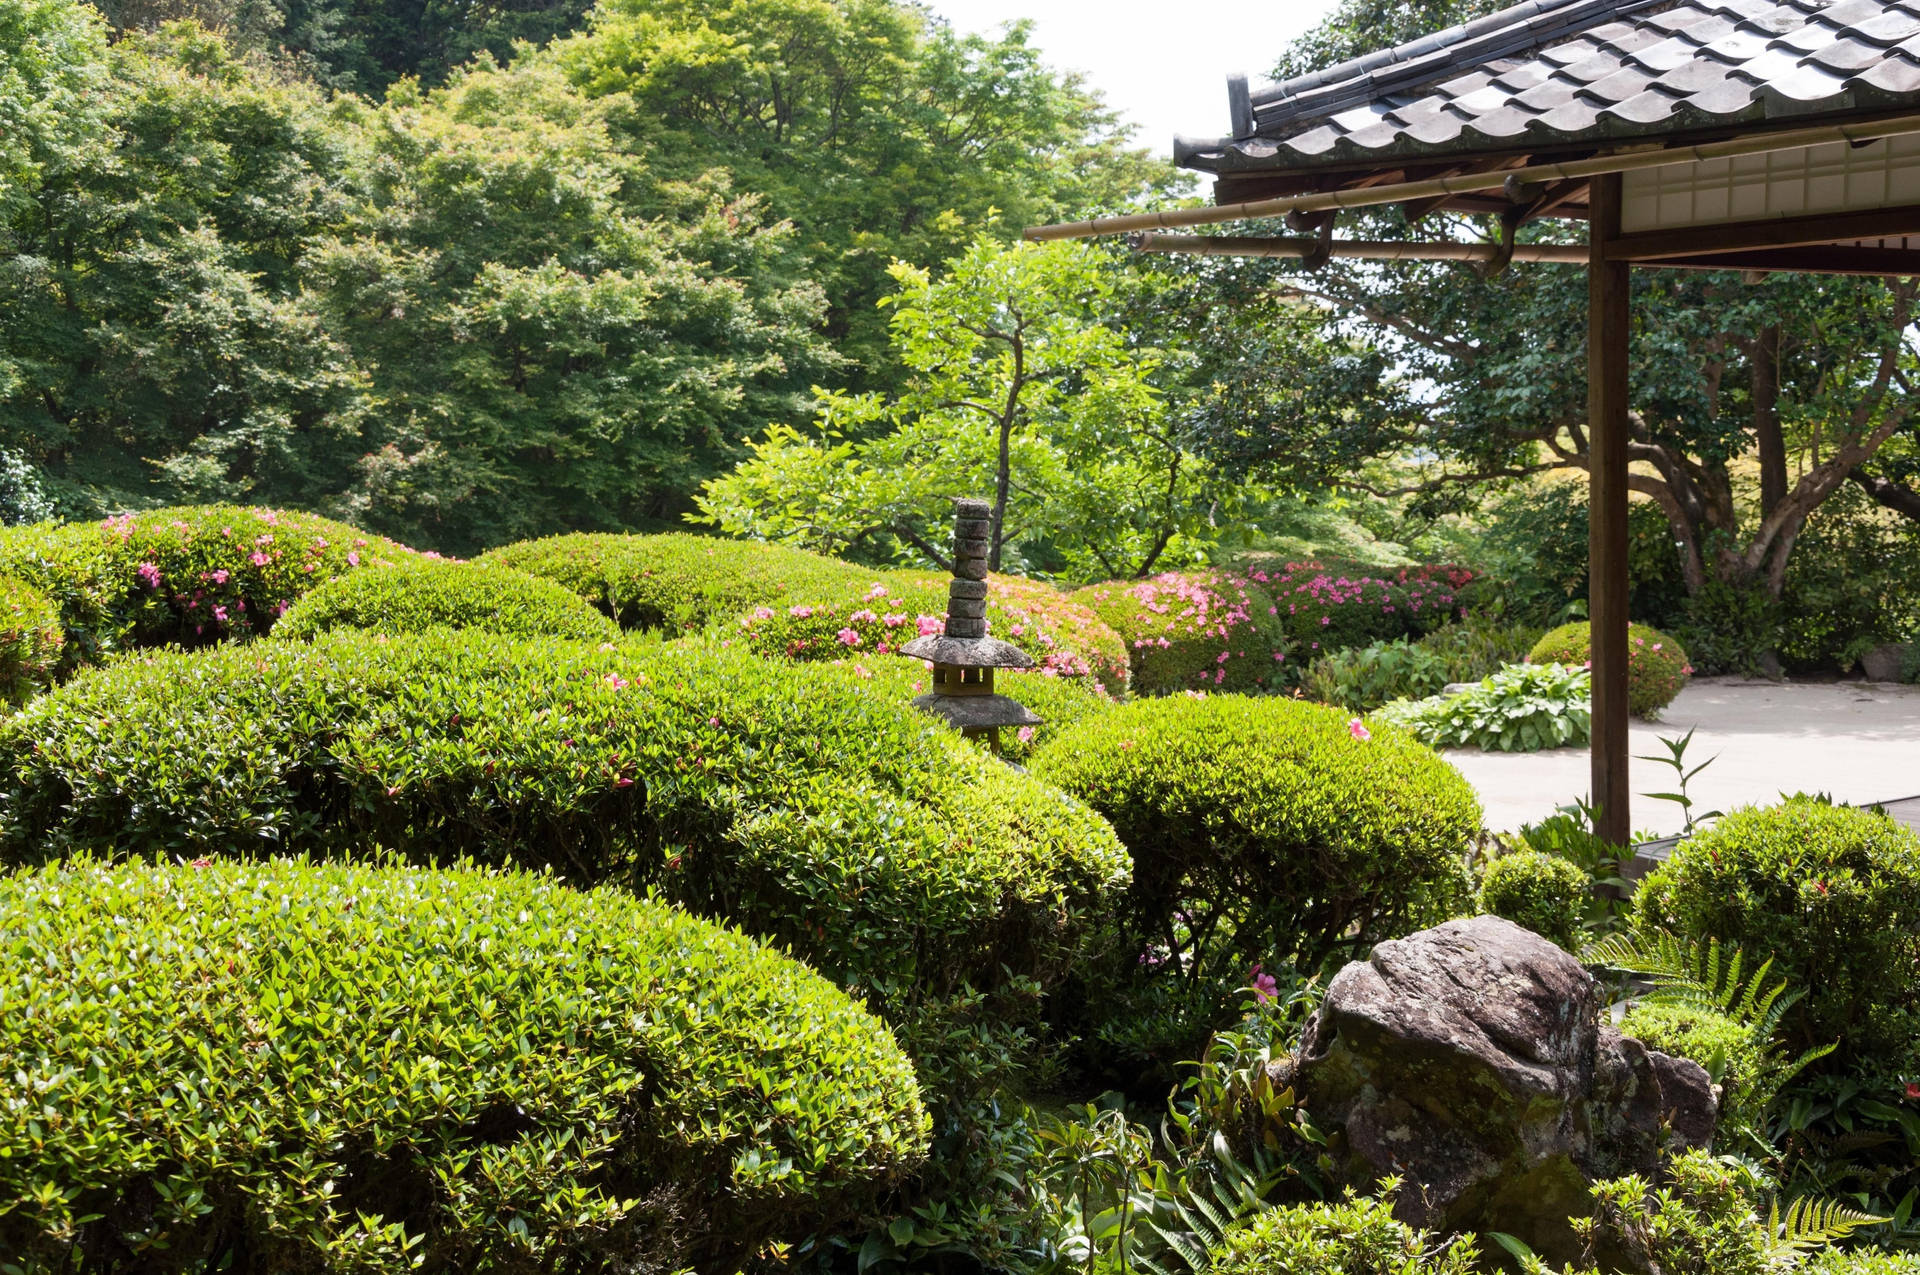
x=1193, y=630
x=677, y=581
x=1520, y=709
x=1539, y=892
x=1537, y=542
x=1858, y=1261
x=331, y=1068
x=456, y=595
x=1324, y=609
x=1261, y=830
x=1363, y=678
x=1849, y=585
x=1355, y=1236
x=1478, y=647
x=1063, y=625
x=1830, y=894
x=189, y=576
x=30, y=641
x=883, y=611
x=875, y=843
x=1059, y=702
x=1657, y=666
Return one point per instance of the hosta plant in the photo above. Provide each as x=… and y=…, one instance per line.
x=1520, y=709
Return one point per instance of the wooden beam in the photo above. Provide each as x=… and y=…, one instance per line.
x=1822, y=259
x=1780, y=232
x=1358, y=249
x=1608, y=325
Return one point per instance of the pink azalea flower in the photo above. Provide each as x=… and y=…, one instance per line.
x=1358, y=729
x=877, y=591
x=848, y=637
x=220, y=614
x=1026, y=734
x=258, y=559
x=353, y=558
x=863, y=617
x=799, y=613
x=929, y=624
x=1265, y=986
x=150, y=573
x=220, y=576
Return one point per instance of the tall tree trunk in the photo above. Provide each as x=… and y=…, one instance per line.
x=1765, y=356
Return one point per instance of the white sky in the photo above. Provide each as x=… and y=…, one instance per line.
x=1165, y=66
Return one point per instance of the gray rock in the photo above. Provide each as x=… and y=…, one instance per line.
x=1884, y=663
x=1470, y=1059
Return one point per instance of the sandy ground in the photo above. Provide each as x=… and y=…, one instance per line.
x=1859, y=741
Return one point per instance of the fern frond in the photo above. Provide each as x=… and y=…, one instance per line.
x=1812, y=1224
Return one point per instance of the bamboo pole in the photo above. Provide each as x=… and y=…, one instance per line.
x=1358, y=249
x=1467, y=183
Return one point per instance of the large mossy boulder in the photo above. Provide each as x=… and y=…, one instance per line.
x=1471, y=1060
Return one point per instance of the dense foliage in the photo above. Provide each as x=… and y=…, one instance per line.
x=1520, y=709
x=1330, y=609
x=1355, y=1236
x=876, y=845
x=675, y=582
x=1657, y=666
x=1364, y=678
x=31, y=641
x=415, y=597
x=1261, y=831
x=1211, y=630
x=374, y=1069
x=1542, y=892
x=189, y=576
x=1831, y=895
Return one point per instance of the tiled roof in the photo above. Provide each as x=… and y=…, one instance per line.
x=1559, y=73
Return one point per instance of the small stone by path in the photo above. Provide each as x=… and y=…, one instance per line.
x=1858, y=741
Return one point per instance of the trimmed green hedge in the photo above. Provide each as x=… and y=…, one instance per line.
x=677, y=581
x=1657, y=665
x=1059, y=702
x=1831, y=894
x=1201, y=630
x=31, y=640
x=1539, y=892
x=1355, y=1236
x=291, y=1067
x=189, y=576
x=415, y=597
x=815, y=812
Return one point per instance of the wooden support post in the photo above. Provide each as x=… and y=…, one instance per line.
x=1607, y=328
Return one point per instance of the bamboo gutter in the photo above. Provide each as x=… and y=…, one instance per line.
x=1357, y=249
x=1468, y=183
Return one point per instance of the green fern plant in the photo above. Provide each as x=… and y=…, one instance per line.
x=1712, y=978
x=1811, y=1225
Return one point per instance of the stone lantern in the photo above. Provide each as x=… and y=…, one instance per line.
x=964, y=657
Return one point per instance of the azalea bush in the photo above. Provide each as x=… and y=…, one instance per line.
x=190, y=576
x=1520, y=709
x=1831, y=895
x=415, y=597
x=1209, y=630
x=1657, y=666
x=880, y=612
x=1262, y=831
x=1324, y=609
x=676, y=582
x=31, y=641
x=283, y=1066
x=1059, y=702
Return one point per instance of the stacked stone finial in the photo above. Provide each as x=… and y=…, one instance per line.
x=967, y=595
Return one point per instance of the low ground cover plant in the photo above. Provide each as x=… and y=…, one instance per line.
x=418, y=596
x=1520, y=709
x=31, y=641
x=1196, y=630
x=1831, y=895
x=190, y=576
x=1657, y=667
x=877, y=613
x=1262, y=831
x=677, y=582
x=330, y=1067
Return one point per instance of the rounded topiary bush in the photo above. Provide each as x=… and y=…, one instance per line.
x=1539, y=892
x=1059, y=702
x=1199, y=630
x=1657, y=667
x=415, y=597
x=677, y=581
x=882, y=611
x=1355, y=1236
x=31, y=641
x=1830, y=894
x=1262, y=831
x=330, y=1068
x=189, y=576
x=814, y=811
